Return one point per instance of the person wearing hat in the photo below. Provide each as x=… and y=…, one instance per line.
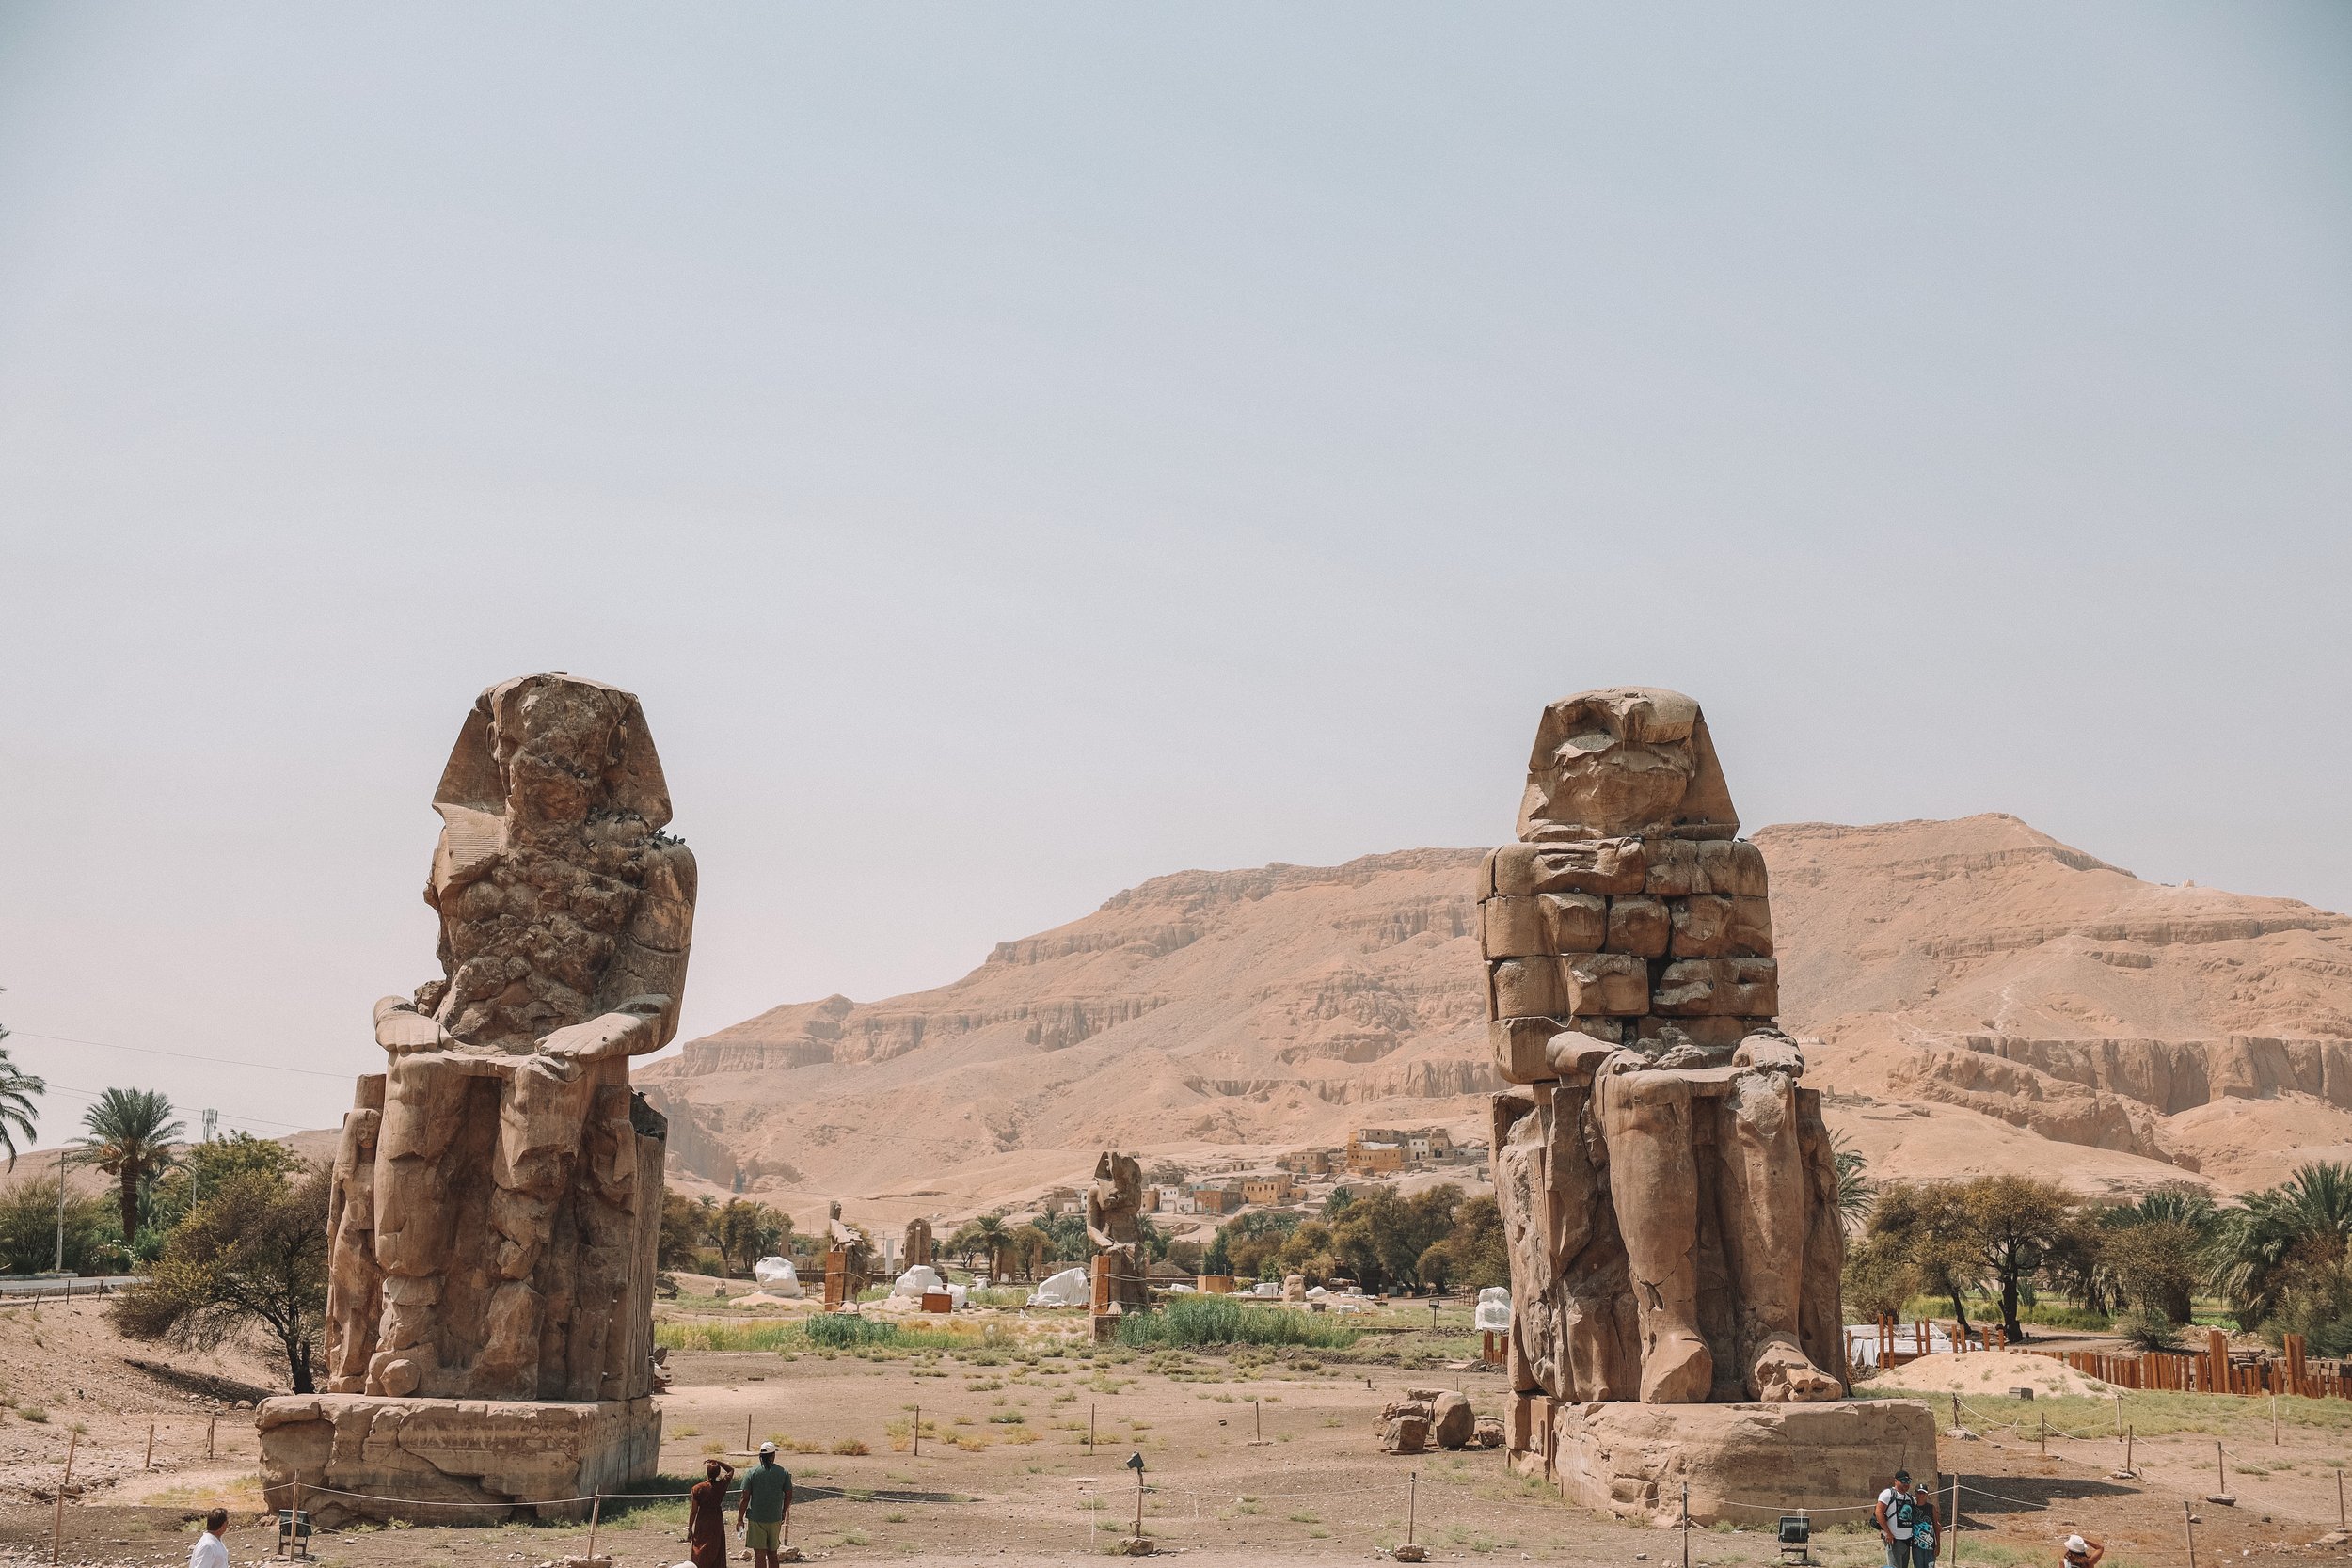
x=2084, y=1554
x=765, y=1505
x=1902, y=1512
x=707, y=1515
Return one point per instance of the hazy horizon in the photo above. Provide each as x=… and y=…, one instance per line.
x=1015, y=453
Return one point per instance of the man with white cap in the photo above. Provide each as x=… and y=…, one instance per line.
x=765, y=1507
x=2084, y=1554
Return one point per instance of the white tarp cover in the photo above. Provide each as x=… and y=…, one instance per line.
x=1069, y=1288
x=776, y=1276
x=1494, y=1309
x=918, y=1282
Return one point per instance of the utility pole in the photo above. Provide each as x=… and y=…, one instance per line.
x=60, y=1263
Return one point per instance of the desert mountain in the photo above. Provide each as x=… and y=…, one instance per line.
x=1983, y=997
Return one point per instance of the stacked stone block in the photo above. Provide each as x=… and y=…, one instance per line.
x=1647, y=942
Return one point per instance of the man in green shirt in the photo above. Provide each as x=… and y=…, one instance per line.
x=766, y=1503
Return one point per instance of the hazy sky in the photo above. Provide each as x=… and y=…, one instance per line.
x=1015, y=451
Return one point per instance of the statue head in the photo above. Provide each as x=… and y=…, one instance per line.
x=1120, y=1173
x=1624, y=760
x=548, y=752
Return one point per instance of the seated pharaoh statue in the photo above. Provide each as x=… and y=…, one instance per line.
x=1667, y=1188
x=498, y=1200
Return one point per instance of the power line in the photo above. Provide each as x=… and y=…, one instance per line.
x=52, y=1085
x=183, y=1055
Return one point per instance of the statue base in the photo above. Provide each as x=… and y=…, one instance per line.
x=451, y=1462
x=1746, y=1463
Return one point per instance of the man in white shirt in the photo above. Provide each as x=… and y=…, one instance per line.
x=1901, y=1511
x=210, y=1550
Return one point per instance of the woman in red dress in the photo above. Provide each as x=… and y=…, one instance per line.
x=707, y=1515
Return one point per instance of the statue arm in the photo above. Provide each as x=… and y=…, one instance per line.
x=640, y=1024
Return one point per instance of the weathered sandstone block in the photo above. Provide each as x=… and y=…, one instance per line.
x=1604, y=985
x=1742, y=988
x=1744, y=1463
x=439, y=1461
x=1710, y=925
x=1641, y=926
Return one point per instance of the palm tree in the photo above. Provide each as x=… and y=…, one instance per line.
x=2281, y=1233
x=1856, y=1191
x=17, y=1089
x=131, y=1133
x=990, y=1237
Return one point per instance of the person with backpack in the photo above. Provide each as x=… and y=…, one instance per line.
x=1906, y=1520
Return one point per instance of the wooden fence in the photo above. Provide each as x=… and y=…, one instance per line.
x=2213, y=1371
x=2216, y=1370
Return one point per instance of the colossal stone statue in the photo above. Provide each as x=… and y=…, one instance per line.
x=1668, y=1194
x=1114, y=1205
x=917, y=1245
x=497, y=1201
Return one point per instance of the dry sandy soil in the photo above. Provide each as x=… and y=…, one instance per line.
x=987, y=1488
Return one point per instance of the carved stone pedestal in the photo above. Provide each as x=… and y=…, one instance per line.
x=1747, y=1464
x=415, y=1459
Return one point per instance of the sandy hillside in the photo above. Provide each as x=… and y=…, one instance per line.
x=1987, y=999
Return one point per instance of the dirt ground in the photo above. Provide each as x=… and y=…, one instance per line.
x=1005, y=1469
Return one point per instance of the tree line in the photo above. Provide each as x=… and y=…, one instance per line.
x=2281, y=1258
x=1376, y=1238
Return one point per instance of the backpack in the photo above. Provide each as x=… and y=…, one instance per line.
x=1902, y=1510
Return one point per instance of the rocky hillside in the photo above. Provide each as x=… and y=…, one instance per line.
x=1986, y=998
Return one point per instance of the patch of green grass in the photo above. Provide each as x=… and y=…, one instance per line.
x=1207, y=1320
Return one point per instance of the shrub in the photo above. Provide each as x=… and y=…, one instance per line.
x=847, y=1331
x=1208, y=1320
x=2149, y=1328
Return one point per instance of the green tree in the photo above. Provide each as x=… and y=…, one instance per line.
x=1856, y=1190
x=1032, y=1245
x=1219, y=1258
x=130, y=1138
x=2282, y=1240
x=1925, y=1225
x=204, y=1167
x=992, y=1239
x=2012, y=1222
x=28, y=1229
x=2154, y=1253
x=251, y=1252
x=1071, y=1244
x=1879, y=1278
x=1383, y=1237
x=18, y=1090
x=683, y=1231
x=748, y=1230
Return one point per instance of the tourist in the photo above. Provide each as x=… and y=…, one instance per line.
x=2084, y=1554
x=765, y=1507
x=210, y=1551
x=707, y=1515
x=1902, y=1512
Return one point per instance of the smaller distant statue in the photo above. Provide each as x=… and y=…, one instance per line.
x=849, y=1262
x=1114, y=1223
x=918, y=1243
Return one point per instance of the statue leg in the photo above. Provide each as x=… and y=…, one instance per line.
x=1653, y=1180
x=1766, y=1194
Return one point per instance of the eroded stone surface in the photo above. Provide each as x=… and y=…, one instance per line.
x=1114, y=1205
x=1744, y=1463
x=1668, y=1196
x=497, y=1196
x=355, y=1456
